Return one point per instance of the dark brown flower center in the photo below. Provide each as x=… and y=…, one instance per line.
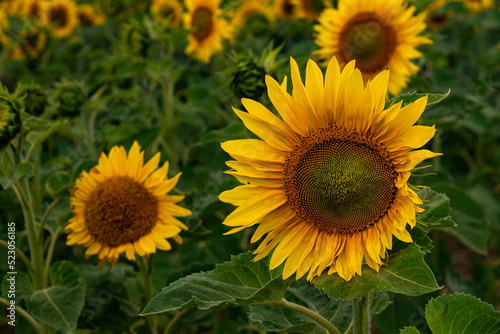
x=58, y=15
x=369, y=40
x=120, y=210
x=202, y=23
x=339, y=181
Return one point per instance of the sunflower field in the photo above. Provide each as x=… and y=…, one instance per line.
x=249, y=166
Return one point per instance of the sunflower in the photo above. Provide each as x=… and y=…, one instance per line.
x=437, y=16
x=4, y=29
x=285, y=9
x=87, y=16
x=310, y=9
x=479, y=5
x=167, y=10
x=62, y=17
x=122, y=206
x=34, y=10
x=250, y=10
x=328, y=182
x=32, y=42
x=208, y=29
x=378, y=34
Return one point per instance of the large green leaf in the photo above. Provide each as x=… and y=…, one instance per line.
x=23, y=286
x=338, y=313
x=407, y=98
x=461, y=313
x=472, y=228
x=406, y=272
x=237, y=282
x=437, y=209
x=60, y=305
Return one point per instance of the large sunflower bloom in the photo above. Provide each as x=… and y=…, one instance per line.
x=328, y=181
x=208, y=28
x=378, y=34
x=122, y=206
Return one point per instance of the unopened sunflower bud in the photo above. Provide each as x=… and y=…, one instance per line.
x=247, y=78
x=34, y=98
x=135, y=38
x=68, y=98
x=10, y=121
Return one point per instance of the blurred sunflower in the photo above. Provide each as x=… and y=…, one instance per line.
x=167, y=10
x=250, y=10
x=122, y=206
x=88, y=16
x=310, y=9
x=437, y=16
x=328, y=183
x=34, y=9
x=479, y=5
x=377, y=34
x=62, y=17
x=32, y=42
x=208, y=29
x=4, y=29
x=285, y=9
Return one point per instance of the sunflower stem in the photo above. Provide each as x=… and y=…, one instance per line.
x=147, y=270
x=363, y=314
x=307, y=312
x=25, y=314
x=50, y=253
x=20, y=255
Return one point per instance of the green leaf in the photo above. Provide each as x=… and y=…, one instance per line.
x=472, y=228
x=437, y=209
x=461, y=313
x=406, y=272
x=237, y=282
x=409, y=330
x=23, y=286
x=432, y=99
x=60, y=305
x=24, y=169
x=58, y=183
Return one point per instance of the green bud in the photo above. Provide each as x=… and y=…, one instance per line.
x=247, y=78
x=68, y=98
x=34, y=98
x=135, y=38
x=10, y=120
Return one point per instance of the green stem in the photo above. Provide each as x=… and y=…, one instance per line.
x=167, y=86
x=20, y=255
x=25, y=314
x=50, y=253
x=45, y=216
x=307, y=312
x=363, y=314
x=147, y=270
x=22, y=191
x=172, y=321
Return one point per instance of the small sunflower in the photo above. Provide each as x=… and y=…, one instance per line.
x=33, y=42
x=62, y=17
x=167, y=9
x=328, y=181
x=34, y=10
x=87, y=16
x=285, y=9
x=437, y=16
x=310, y=9
x=479, y=5
x=4, y=29
x=378, y=34
x=248, y=10
x=208, y=28
x=122, y=206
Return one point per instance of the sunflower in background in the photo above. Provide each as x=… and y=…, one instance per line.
x=121, y=206
x=328, y=181
x=250, y=11
x=378, y=34
x=479, y=5
x=88, y=16
x=4, y=29
x=208, y=27
x=34, y=10
x=62, y=17
x=162, y=10
x=310, y=9
x=285, y=9
x=31, y=44
x=437, y=16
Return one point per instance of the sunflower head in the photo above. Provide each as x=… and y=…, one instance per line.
x=327, y=184
x=62, y=17
x=378, y=34
x=68, y=98
x=310, y=9
x=33, y=41
x=33, y=97
x=122, y=206
x=10, y=121
x=167, y=10
x=246, y=78
x=87, y=16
